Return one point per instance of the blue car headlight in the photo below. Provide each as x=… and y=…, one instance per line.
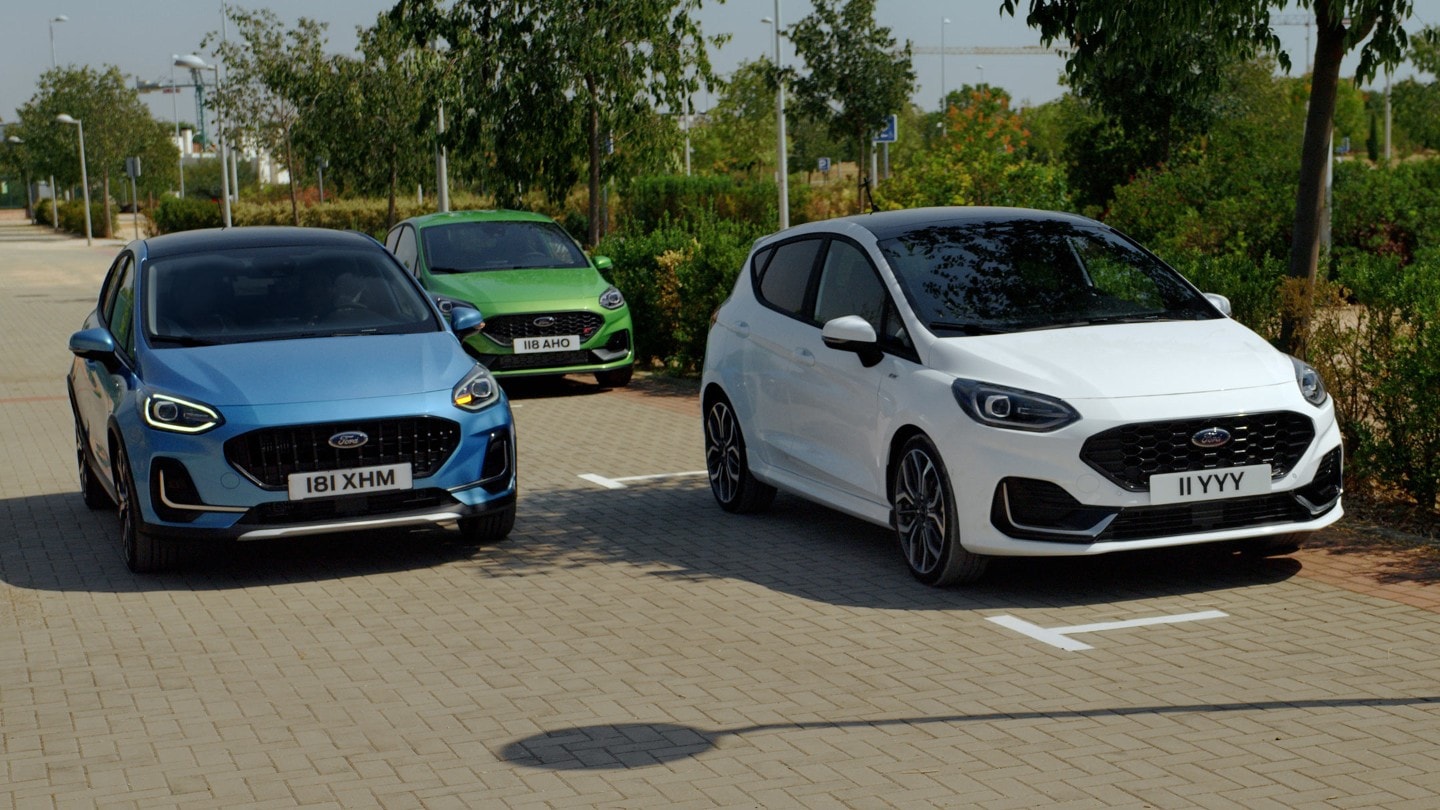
x=165, y=412
x=1003, y=407
x=1311, y=386
x=476, y=390
x=612, y=299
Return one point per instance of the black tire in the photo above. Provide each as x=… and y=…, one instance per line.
x=486, y=529
x=925, y=518
x=143, y=552
x=91, y=490
x=615, y=377
x=734, y=488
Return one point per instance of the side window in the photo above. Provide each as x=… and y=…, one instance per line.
x=784, y=282
x=849, y=286
x=119, y=312
x=404, y=246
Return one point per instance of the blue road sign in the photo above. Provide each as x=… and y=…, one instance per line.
x=889, y=133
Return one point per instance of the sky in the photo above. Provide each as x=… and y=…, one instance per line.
x=140, y=36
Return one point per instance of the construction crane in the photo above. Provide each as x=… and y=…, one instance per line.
x=142, y=86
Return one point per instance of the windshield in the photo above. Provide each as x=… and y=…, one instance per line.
x=278, y=293
x=1015, y=275
x=468, y=247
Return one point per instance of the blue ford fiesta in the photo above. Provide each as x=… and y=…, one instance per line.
x=259, y=383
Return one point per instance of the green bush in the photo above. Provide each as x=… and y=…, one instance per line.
x=1252, y=287
x=649, y=202
x=1380, y=357
x=674, y=277
x=187, y=214
x=72, y=217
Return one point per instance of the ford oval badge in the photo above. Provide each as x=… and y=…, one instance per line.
x=544, y=321
x=348, y=440
x=1211, y=437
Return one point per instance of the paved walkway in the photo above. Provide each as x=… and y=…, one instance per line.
x=637, y=647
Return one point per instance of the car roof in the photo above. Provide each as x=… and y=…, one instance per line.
x=889, y=224
x=488, y=215
x=220, y=240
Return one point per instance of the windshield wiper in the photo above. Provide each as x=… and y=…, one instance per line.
x=967, y=328
x=187, y=340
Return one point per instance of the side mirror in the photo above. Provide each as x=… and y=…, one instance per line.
x=465, y=319
x=1220, y=302
x=602, y=263
x=852, y=333
x=93, y=344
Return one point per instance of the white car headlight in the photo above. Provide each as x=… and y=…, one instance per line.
x=1311, y=386
x=165, y=412
x=1003, y=407
x=476, y=390
x=612, y=299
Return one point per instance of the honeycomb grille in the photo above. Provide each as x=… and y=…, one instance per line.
x=270, y=455
x=504, y=329
x=1130, y=454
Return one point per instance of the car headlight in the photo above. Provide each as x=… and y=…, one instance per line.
x=1012, y=408
x=165, y=412
x=1311, y=386
x=612, y=299
x=476, y=390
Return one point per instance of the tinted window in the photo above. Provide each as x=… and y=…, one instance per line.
x=849, y=286
x=786, y=278
x=1032, y=274
x=120, y=305
x=276, y=293
x=467, y=247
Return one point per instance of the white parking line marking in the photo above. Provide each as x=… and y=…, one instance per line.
x=619, y=483
x=1060, y=636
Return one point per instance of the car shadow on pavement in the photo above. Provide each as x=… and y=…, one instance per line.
x=55, y=544
x=676, y=532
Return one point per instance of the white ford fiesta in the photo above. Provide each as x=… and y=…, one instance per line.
x=992, y=381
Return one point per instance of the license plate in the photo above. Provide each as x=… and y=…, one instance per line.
x=1210, y=485
x=356, y=481
x=554, y=343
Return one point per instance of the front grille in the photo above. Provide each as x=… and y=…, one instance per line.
x=1142, y=522
x=270, y=455
x=516, y=362
x=504, y=329
x=376, y=504
x=1130, y=454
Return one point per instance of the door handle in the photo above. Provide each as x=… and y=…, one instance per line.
x=742, y=329
x=803, y=357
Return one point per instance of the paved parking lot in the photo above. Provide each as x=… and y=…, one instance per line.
x=631, y=645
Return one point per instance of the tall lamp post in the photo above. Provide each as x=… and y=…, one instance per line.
x=54, y=201
x=194, y=62
x=783, y=171
x=944, y=105
x=84, y=173
x=175, y=113
x=16, y=142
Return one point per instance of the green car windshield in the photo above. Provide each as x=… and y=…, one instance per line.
x=469, y=247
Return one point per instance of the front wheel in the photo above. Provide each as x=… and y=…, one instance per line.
x=143, y=552
x=735, y=489
x=486, y=529
x=615, y=377
x=924, y=518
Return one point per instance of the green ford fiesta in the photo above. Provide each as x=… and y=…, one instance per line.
x=547, y=308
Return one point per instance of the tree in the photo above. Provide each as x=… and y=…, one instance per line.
x=739, y=131
x=542, y=75
x=1142, y=36
x=272, y=77
x=855, y=75
x=117, y=125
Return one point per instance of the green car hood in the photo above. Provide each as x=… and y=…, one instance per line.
x=500, y=291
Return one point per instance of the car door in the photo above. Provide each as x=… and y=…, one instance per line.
x=839, y=408
x=781, y=280
x=101, y=386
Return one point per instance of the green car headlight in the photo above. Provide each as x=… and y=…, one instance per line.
x=612, y=299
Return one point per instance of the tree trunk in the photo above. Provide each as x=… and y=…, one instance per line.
x=593, y=134
x=290, y=172
x=1315, y=158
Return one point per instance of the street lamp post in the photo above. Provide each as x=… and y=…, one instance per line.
x=320, y=164
x=17, y=142
x=84, y=173
x=944, y=105
x=54, y=197
x=981, y=68
x=194, y=62
x=175, y=113
x=783, y=171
